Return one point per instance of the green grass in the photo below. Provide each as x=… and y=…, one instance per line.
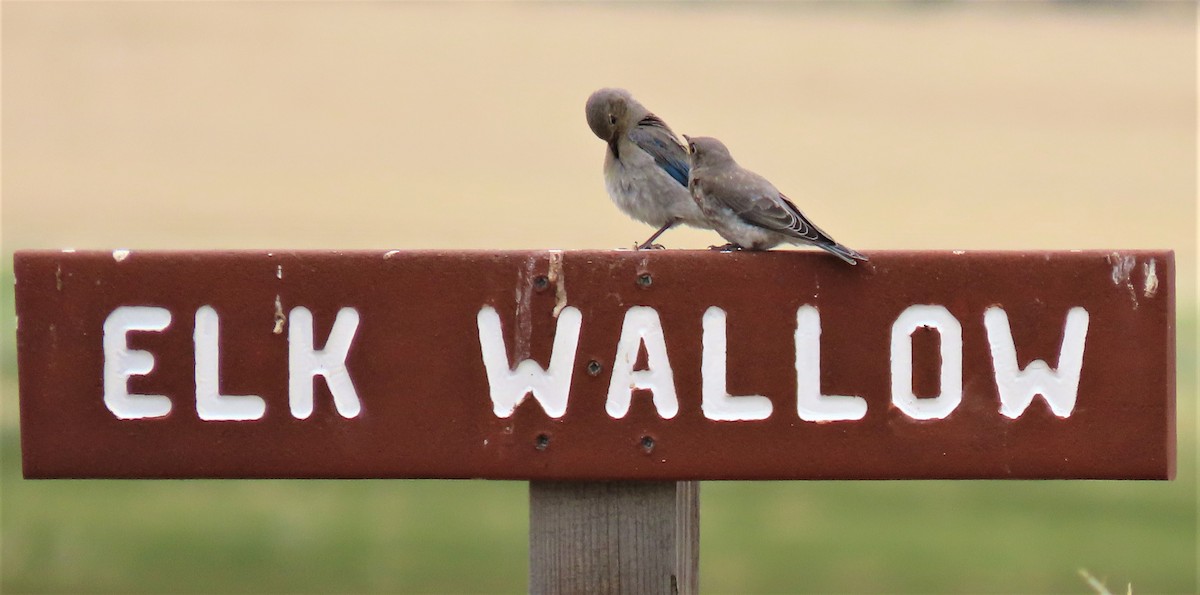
x=947, y=536
x=441, y=536
x=420, y=536
x=261, y=536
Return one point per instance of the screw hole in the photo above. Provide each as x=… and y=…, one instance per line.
x=594, y=368
x=541, y=442
x=647, y=443
x=541, y=282
x=645, y=280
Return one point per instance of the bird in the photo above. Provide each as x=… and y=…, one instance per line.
x=645, y=164
x=745, y=208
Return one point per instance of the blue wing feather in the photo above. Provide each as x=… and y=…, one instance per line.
x=654, y=137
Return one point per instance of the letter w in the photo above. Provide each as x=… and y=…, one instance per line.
x=1017, y=387
x=509, y=386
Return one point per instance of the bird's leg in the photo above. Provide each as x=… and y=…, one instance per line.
x=730, y=247
x=649, y=244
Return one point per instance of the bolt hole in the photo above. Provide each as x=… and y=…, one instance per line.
x=645, y=280
x=647, y=443
x=541, y=282
x=594, y=368
x=541, y=442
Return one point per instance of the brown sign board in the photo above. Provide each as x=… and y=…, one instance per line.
x=596, y=365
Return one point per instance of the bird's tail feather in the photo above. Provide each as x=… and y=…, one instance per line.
x=842, y=252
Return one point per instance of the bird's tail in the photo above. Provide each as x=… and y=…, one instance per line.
x=842, y=252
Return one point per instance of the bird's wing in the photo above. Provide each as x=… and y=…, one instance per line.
x=654, y=137
x=757, y=201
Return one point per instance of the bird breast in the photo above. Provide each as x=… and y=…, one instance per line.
x=642, y=190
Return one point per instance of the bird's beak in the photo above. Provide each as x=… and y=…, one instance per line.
x=612, y=146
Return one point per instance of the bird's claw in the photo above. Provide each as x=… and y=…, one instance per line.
x=730, y=247
x=651, y=247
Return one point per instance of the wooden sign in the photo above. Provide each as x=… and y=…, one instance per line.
x=597, y=365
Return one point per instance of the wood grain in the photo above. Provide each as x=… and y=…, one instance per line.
x=614, y=537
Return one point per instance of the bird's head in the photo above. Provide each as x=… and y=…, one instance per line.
x=611, y=112
x=705, y=150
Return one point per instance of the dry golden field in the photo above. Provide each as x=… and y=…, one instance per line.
x=324, y=125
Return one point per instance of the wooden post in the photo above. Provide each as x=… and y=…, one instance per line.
x=614, y=537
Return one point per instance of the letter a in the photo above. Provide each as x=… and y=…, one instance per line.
x=642, y=326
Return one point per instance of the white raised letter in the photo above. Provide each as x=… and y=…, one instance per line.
x=940, y=319
x=121, y=362
x=1017, y=387
x=717, y=403
x=550, y=386
x=305, y=362
x=810, y=403
x=642, y=326
x=211, y=405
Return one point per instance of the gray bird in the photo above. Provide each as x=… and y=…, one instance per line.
x=645, y=166
x=746, y=209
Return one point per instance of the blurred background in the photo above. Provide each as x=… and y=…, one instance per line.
x=326, y=125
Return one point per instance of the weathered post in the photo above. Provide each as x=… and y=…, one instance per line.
x=612, y=381
x=614, y=537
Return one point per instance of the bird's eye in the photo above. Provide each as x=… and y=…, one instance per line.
x=692, y=148
x=612, y=119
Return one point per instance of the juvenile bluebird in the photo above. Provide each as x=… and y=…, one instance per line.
x=645, y=166
x=746, y=209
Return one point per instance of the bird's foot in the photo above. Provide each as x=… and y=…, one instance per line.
x=649, y=246
x=730, y=247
